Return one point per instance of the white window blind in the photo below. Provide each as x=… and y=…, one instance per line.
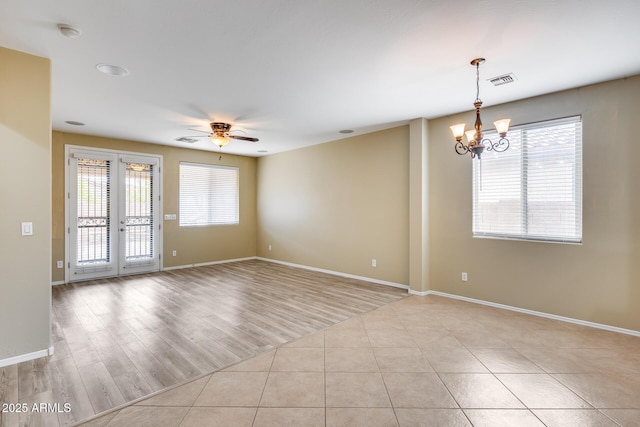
x=208, y=195
x=534, y=189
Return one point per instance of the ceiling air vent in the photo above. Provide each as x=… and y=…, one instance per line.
x=186, y=139
x=502, y=80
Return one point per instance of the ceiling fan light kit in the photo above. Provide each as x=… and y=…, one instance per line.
x=219, y=140
x=475, y=141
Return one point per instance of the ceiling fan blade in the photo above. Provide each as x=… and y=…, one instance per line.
x=244, y=138
x=198, y=130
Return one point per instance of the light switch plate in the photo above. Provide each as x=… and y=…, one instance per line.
x=27, y=229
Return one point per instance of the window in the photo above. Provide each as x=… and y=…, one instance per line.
x=534, y=189
x=208, y=195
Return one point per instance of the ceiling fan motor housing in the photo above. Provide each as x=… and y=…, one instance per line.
x=220, y=128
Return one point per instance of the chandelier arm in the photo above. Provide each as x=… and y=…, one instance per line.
x=498, y=147
x=501, y=145
x=461, y=148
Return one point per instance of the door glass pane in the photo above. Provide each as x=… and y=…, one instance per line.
x=93, y=245
x=138, y=212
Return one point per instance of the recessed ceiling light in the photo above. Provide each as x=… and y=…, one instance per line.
x=68, y=31
x=112, y=70
x=74, y=123
x=346, y=131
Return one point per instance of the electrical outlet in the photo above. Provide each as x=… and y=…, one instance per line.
x=464, y=276
x=174, y=253
x=374, y=263
x=269, y=247
x=60, y=264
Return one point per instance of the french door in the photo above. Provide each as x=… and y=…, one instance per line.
x=113, y=213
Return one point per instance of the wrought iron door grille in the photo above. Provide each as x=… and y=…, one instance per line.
x=138, y=221
x=93, y=223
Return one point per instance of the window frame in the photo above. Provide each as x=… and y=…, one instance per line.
x=525, y=161
x=210, y=199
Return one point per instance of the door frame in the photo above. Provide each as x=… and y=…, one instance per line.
x=67, y=191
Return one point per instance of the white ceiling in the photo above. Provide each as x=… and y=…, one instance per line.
x=295, y=72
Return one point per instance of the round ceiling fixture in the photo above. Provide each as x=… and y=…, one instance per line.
x=68, y=31
x=263, y=151
x=112, y=70
x=74, y=123
x=345, y=131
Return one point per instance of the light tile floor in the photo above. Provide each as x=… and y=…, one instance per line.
x=420, y=361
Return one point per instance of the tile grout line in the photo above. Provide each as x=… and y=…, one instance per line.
x=386, y=387
x=264, y=387
x=324, y=370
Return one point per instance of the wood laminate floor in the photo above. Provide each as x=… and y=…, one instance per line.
x=117, y=340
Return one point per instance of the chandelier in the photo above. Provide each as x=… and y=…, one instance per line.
x=475, y=141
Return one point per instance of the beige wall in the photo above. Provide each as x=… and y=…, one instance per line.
x=25, y=172
x=337, y=205
x=597, y=281
x=193, y=244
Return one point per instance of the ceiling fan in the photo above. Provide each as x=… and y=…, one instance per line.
x=220, y=134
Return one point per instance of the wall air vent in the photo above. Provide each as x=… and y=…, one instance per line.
x=502, y=80
x=186, y=139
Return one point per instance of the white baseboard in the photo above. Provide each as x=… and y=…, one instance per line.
x=202, y=264
x=418, y=293
x=60, y=282
x=538, y=313
x=337, y=273
x=26, y=357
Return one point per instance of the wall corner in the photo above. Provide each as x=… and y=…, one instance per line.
x=418, y=206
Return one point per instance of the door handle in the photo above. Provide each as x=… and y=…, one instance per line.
x=122, y=229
